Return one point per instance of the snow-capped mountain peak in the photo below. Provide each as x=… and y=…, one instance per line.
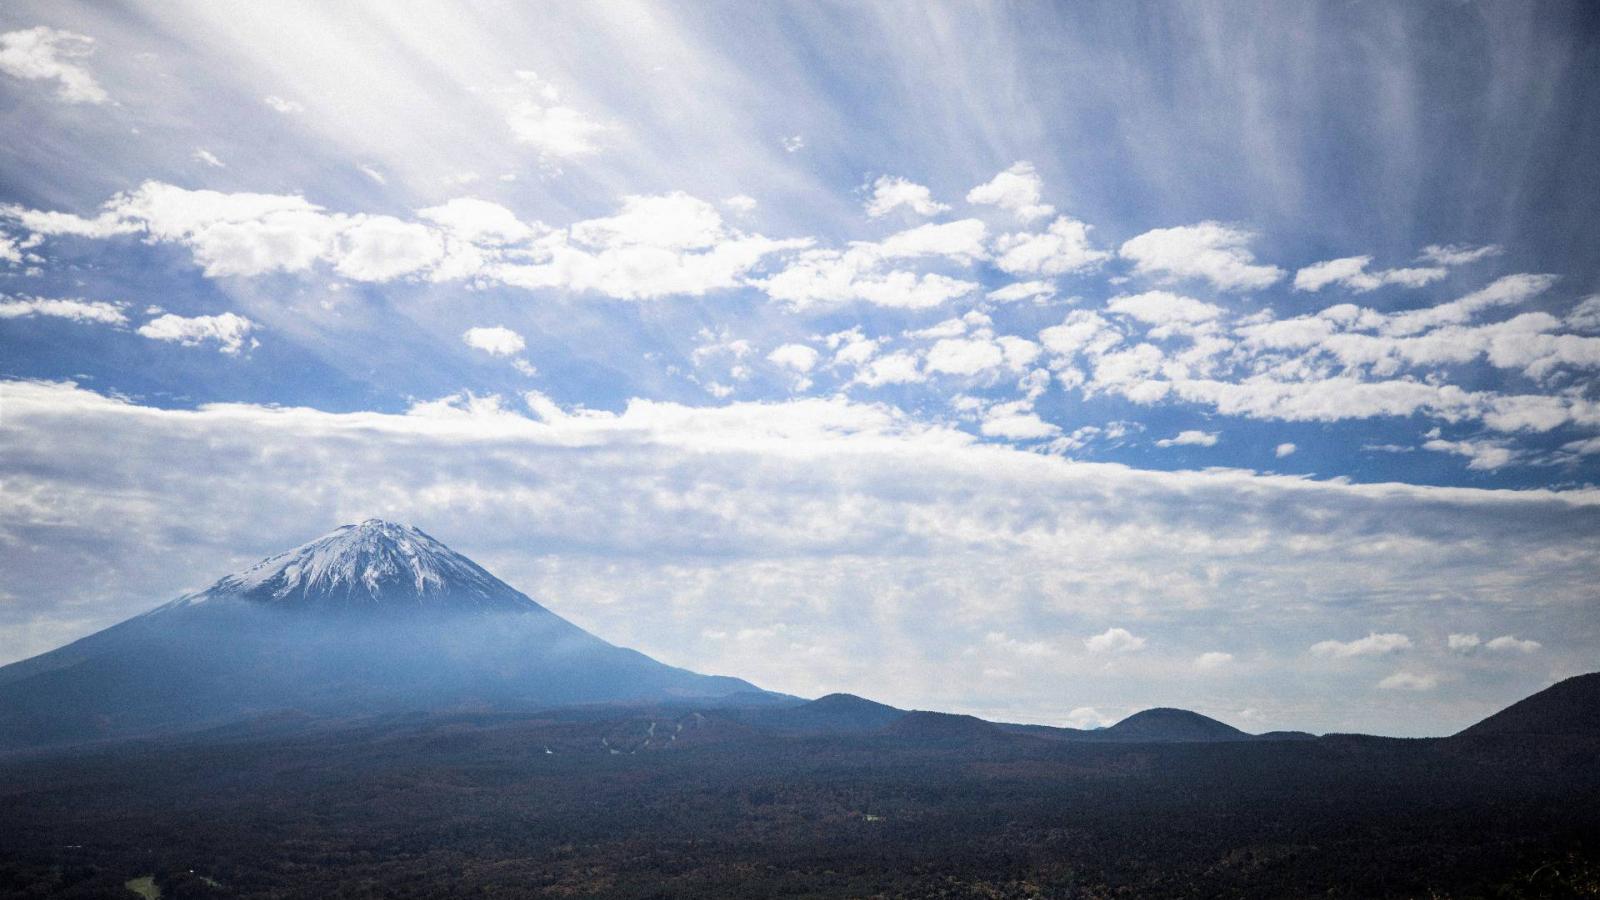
x=374, y=564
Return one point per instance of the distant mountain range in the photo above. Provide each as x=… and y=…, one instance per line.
x=380, y=618
x=838, y=714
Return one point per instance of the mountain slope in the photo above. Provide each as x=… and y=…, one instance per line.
x=1570, y=707
x=945, y=728
x=370, y=618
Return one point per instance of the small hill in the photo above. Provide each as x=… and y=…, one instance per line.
x=1570, y=707
x=1286, y=736
x=832, y=714
x=1164, y=725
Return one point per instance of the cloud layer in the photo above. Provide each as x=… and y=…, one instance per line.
x=787, y=527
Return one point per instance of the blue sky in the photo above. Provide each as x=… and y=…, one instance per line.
x=1040, y=362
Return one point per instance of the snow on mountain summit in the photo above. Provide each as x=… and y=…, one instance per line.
x=375, y=563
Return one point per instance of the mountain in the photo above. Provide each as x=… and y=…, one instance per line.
x=1286, y=736
x=371, y=618
x=373, y=565
x=1163, y=725
x=1570, y=707
x=831, y=714
x=1156, y=726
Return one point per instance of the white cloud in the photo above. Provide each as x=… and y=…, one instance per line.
x=478, y=221
x=852, y=347
x=203, y=155
x=1468, y=643
x=1583, y=447
x=1087, y=717
x=1352, y=273
x=286, y=107
x=1345, y=362
x=795, y=357
x=891, y=193
x=49, y=54
x=718, y=343
x=794, y=143
x=1586, y=315
x=94, y=311
x=1457, y=254
x=1017, y=189
x=1510, y=642
x=1114, y=640
x=824, y=277
x=1083, y=331
x=1016, y=421
x=947, y=328
x=1019, y=352
x=1411, y=277
x=1037, y=291
x=496, y=340
x=960, y=241
x=538, y=118
x=374, y=174
x=1284, y=449
x=1164, y=308
x=1374, y=644
x=1213, y=251
x=1509, y=290
x=1190, y=439
x=228, y=331
x=41, y=223
x=900, y=367
x=1485, y=456
x=654, y=247
x=1061, y=249
x=629, y=270
x=1409, y=681
x=1320, y=400
x=742, y=204
x=979, y=353
x=1212, y=660
x=383, y=248
x=673, y=221
x=229, y=234
x=1319, y=275
x=863, y=272
x=1034, y=383
x=964, y=356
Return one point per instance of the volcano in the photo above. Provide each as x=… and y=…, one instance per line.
x=369, y=619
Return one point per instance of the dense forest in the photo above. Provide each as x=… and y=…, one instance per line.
x=675, y=803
